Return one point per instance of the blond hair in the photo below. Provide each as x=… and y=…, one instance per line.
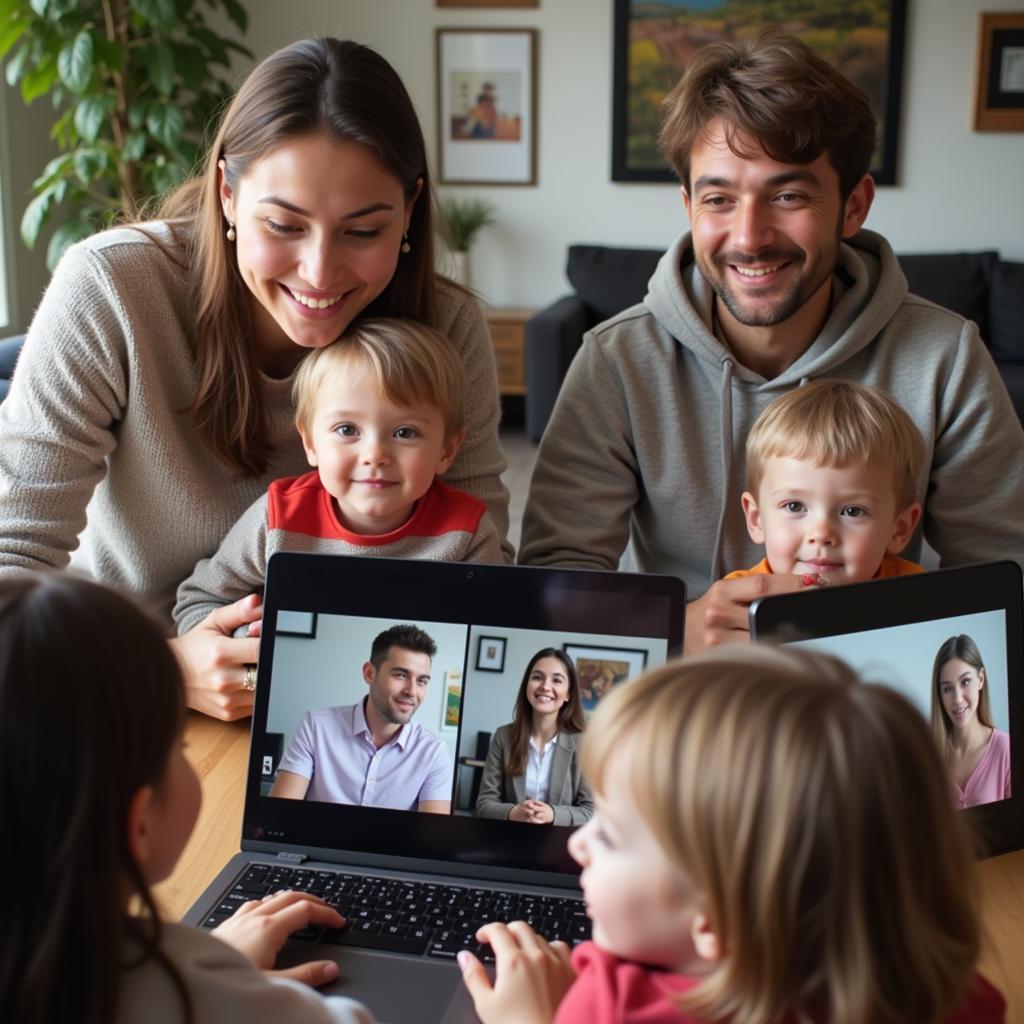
x=404, y=362
x=812, y=811
x=835, y=423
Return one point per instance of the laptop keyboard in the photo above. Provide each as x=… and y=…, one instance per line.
x=420, y=918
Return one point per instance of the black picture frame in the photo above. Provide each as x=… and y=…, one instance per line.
x=998, y=96
x=630, y=166
x=487, y=662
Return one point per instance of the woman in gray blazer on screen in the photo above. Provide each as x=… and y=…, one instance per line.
x=532, y=772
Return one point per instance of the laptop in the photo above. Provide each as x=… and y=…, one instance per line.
x=321, y=615
x=891, y=631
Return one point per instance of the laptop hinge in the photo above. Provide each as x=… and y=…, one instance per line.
x=292, y=858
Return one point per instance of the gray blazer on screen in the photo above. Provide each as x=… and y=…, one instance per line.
x=568, y=792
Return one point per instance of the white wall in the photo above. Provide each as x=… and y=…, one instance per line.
x=959, y=189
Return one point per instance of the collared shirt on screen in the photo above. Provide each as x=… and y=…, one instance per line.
x=333, y=748
x=538, y=769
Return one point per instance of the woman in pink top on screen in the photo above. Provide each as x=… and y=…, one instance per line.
x=977, y=753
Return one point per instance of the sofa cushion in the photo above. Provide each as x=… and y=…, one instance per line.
x=1006, y=313
x=609, y=280
x=957, y=280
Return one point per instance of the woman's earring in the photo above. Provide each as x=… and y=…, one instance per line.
x=231, y=236
x=406, y=247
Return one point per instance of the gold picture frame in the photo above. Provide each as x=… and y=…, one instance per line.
x=999, y=90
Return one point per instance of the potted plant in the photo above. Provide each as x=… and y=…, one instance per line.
x=461, y=221
x=135, y=86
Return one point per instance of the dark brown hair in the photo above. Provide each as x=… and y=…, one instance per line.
x=774, y=91
x=407, y=637
x=966, y=650
x=90, y=706
x=316, y=85
x=570, y=714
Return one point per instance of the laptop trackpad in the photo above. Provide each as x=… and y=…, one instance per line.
x=396, y=989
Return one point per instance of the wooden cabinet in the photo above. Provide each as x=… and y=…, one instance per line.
x=508, y=336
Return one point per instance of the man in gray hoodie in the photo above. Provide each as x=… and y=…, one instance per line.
x=775, y=284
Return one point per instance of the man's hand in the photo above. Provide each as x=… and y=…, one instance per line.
x=720, y=615
x=532, y=975
x=260, y=928
x=213, y=660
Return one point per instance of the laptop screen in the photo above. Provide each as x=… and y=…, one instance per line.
x=437, y=658
x=950, y=642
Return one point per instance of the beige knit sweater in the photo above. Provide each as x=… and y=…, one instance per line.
x=101, y=464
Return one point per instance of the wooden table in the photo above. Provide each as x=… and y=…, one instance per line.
x=219, y=754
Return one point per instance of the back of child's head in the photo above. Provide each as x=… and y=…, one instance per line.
x=90, y=705
x=836, y=424
x=404, y=361
x=812, y=811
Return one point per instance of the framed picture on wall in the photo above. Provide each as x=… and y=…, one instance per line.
x=654, y=41
x=598, y=669
x=487, y=106
x=490, y=653
x=999, y=93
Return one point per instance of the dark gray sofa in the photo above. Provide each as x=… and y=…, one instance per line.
x=977, y=285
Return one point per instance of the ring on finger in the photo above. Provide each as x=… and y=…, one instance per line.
x=249, y=678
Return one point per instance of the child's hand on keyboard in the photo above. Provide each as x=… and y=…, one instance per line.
x=260, y=928
x=532, y=975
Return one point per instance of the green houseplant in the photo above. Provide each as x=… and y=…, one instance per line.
x=461, y=220
x=134, y=85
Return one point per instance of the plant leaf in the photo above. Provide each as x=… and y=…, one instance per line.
x=89, y=164
x=53, y=170
x=236, y=12
x=106, y=53
x=161, y=68
x=191, y=65
x=16, y=66
x=161, y=13
x=39, y=6
x=10, y=34
x=75, y=62
x=34, y=217
x=39, y=80
x=134, y=146
x=90, y=115
x=166, y=123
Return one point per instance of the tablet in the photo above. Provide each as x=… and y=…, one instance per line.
x=952, y=641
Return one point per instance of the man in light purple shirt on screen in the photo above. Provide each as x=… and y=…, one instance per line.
x=372, y=754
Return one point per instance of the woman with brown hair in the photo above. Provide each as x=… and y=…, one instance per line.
x=532, y=773
x=977, y=754
x=151, y=404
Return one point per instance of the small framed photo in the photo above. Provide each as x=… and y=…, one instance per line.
x=598, y=669
x=487, y=106
x=296, y=624
x=490, y=654
x=451, y=705
x=999, y=94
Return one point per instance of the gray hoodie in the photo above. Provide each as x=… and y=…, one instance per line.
x=648, y=435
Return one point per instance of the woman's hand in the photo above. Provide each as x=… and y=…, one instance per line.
x=259, y=929
x=213, y=661
x=532, y=975
x=533, y=812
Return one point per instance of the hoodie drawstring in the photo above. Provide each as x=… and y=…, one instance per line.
x=726, y=436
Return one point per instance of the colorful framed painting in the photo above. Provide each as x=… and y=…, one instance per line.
x=487, y=106
x=452, y=702
x=654, y=40
x=598, y=669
